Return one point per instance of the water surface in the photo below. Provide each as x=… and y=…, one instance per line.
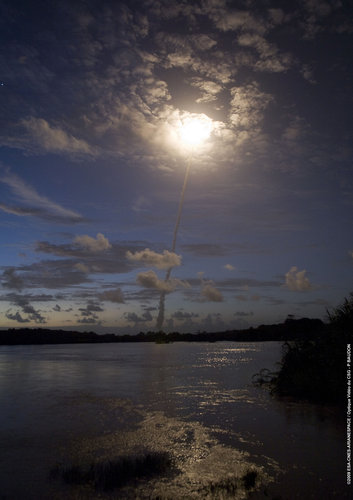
x=67, y=403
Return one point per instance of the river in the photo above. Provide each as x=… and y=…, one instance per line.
x=67, y=404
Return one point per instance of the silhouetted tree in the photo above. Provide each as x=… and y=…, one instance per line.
x=316, y=369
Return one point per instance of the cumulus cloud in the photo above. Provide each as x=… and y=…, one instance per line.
x=210, y=293
x=149, y=279
x=297, y=281
x=147, y=257
x=98, y=244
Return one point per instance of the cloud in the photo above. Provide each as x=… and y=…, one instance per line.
x=236, y=20
x=236, y=284
x=17, y=317
x=308, y=73
x=134, y=318
x=182, y=315
x=141, y=204
x=36, y=204
x=149, y=279
x=209, y=89
x=93, y=245
x=276, y=16
x=247, y=106
x=297, y=281
x=54, y=139
x=203, y=42
x=11, y=280
x=88, y=313
x=270, y=59
x=18, y=299
x=52, y=274
x=83, y=247
x=147, y=257
x=23, y=302
x=316, y=11
x=90, y=309
x=127, y=96
x=212, y=322
x=229, y=267
x=211, y=293
x=88, y=256
x=90, y=320
x=116, y=296
x=82, y=268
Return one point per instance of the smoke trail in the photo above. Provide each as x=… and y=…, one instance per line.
x=160, y=318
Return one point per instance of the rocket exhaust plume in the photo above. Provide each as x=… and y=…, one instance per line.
x=160, y=318
x=193, y=130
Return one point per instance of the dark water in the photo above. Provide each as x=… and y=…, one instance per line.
x=69, y=403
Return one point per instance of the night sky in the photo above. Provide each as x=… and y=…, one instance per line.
x=94, y=95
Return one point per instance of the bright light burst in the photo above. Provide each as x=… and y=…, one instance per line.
x=195, y=129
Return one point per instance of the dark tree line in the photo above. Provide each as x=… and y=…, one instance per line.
x=291, y=329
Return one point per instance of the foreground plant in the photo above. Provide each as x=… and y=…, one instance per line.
x=316, y=369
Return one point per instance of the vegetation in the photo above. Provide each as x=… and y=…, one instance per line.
x=289, y=330
x=113, y=474
x=230, y=485
x=316, y=369
x=249, y=479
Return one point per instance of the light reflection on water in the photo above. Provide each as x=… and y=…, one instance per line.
x=196, y=400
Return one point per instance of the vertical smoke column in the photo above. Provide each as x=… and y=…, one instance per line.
x=160, y=318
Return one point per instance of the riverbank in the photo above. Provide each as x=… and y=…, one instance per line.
x=291, y=329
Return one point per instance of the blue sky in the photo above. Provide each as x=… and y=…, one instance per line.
x=94, y=96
